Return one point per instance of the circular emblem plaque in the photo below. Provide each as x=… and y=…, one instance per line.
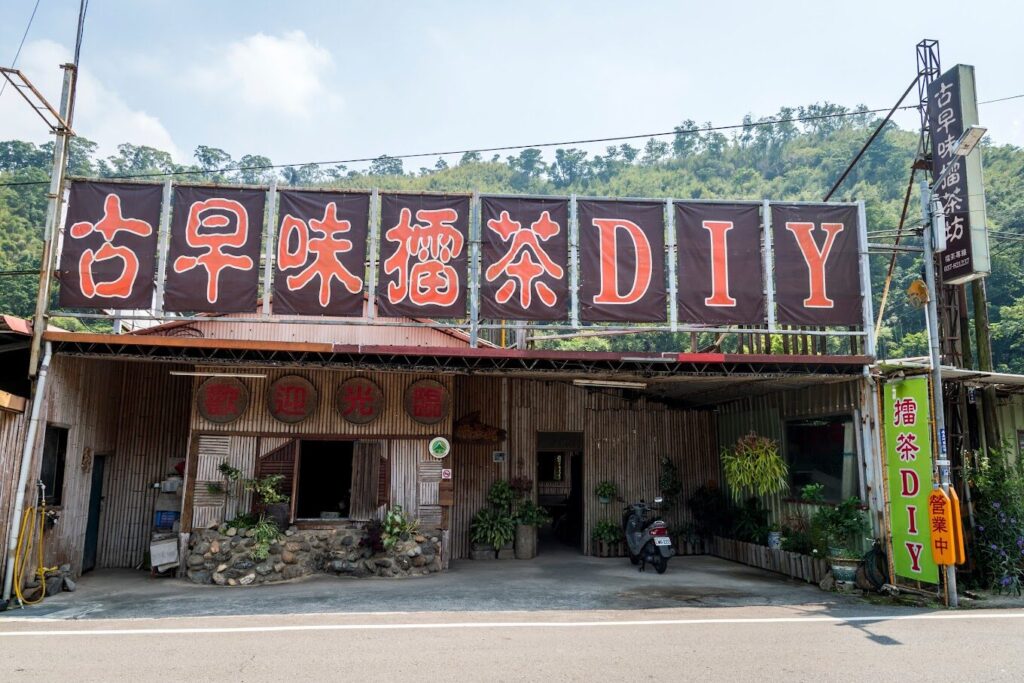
x=359, y=400
x=427, y=401
x=222, y=399
x=291, y=399
x=439, y=447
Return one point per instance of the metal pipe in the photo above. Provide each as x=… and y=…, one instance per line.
x=38, y=397
x=942, y=462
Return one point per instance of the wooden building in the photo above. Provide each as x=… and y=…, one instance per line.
x=124, y=414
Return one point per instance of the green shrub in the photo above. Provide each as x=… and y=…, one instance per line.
x=606, y=489
x=607, y=531
x=265, y=533
x=753, y=467
x=493, y=527
x=999, y=521
x=396, y=527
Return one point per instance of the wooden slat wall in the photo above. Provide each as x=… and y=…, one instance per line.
x=82, y=395
x=12, y=438
x=623, y=442
x=403, y=456
x=326, y=421
x=152, y=437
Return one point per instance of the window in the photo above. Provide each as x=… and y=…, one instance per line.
x=823, y=451
x=55, y=447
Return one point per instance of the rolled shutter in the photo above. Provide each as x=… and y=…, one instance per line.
x=366, y=466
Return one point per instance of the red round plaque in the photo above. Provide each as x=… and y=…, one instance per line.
x=222, y=399
x=359, y=400
x=291, y=399
x=427, y=401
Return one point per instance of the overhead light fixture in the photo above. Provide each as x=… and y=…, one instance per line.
x=609, y=384
x=181, y=373
x=969, y=140
x=648, y=359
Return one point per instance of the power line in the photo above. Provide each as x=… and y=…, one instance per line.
x=21, y=44
x=505, y=148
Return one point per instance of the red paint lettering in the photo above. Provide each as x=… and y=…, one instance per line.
x=609, y=294
x=915, y=555
x=719, y=264
x=911, y=483
x=912, y=515
x=815, y=259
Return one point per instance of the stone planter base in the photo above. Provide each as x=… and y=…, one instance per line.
x=224, y=556
x=605, y=549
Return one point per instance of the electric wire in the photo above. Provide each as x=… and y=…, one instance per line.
x=24, y=35
x=771, y=121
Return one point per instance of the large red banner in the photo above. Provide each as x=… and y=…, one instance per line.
x=213, y=263
x=524, y=272
x=423, y=247
x=622, y=261
x=320, y=253
x=719, y=263
x=817, y=280
x=109, y=255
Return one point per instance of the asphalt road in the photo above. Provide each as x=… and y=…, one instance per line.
x=736, y=644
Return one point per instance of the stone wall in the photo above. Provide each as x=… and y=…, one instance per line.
x=224, y=556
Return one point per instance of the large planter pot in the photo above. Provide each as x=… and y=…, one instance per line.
x=775, y=540
x=843, y=568
x=526, y=542
x=606, y=549
x=482, y=551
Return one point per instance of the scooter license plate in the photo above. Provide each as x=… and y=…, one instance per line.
x=662, y=540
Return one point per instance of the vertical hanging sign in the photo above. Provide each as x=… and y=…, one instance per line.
x=952, y=107
x=908, y=462
x=525, y=265
x=423, y=255
x=320, y=253
x=719, y=262
x=213, y=263
x=817, y=267
x=108, y=258
x=622, y=261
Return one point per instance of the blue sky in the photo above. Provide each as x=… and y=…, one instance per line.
x=308, y=81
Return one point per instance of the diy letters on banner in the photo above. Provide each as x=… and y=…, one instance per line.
x=424, y=240
x=524, y=272
x=622, y=261
x=109, y=255
x=817, y=279
x=719, y=263
x=320, y=253
x=213, y=263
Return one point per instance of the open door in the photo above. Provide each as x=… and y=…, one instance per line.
x=92, y=525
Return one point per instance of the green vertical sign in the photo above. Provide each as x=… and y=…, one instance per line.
x=908, y=462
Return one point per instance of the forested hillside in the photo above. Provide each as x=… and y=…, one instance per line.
x=769, y=158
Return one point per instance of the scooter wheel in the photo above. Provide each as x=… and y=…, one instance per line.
x=660, y=564
x=633, y=559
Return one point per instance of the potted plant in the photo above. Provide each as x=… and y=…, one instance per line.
x=839, y=530
x=754, y=467
x=528, y=518
x=608, y=536
x=605, y=491
x=270, y=499
x=491, y=530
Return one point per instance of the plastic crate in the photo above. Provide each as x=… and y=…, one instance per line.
x=165, y=519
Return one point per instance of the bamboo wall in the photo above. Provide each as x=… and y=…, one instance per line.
x=12, y=437
x=624, y=441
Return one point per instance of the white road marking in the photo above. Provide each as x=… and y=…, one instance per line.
x=509, y=624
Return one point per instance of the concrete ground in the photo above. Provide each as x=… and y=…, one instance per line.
x=552, y=581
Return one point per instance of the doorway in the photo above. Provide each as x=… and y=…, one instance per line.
x=560, y=488
x=324, y=488
x=92, y=525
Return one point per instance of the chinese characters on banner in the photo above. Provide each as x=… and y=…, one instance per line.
x=320, y=255
x=320, y=252
x=525, y=259
x=719, y=263
x=952, y=107
x=109, y=254
x=817, y=278
x=908, y=461
x=423, y=253
x=622, y=261
x=214, y=257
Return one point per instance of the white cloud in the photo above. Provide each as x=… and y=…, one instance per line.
x=101, y=114
x=279, y=75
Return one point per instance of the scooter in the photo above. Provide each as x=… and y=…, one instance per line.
x=647, y=539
